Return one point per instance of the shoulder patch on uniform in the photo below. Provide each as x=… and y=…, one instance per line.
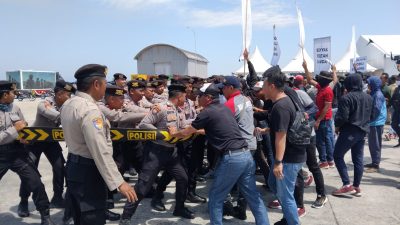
x=98, y=123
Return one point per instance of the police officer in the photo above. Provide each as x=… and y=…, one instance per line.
x=12, y=153
x=48, y=115
x=162, y=155
x=120, y=80
x=90, y=166
x=160, y=93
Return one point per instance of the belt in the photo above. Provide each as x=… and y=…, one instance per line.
x=80, y=160
x=230, y=152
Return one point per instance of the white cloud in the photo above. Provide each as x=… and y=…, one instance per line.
x=265, y=13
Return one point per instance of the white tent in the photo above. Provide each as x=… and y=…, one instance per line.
x=258, y=61
x=377, y=48
x=296, y=64
x=343, y=65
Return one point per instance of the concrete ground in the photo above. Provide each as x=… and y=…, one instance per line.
x=379, y=205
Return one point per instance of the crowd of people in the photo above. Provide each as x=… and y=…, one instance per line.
x=276, y=124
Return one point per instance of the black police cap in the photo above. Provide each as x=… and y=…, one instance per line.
x=63, y=85
x=177, y=87
x=136, y=84
x=163, y=77
x=91, y=70
x=7, y=85
x=115, y=90
x=118, y=76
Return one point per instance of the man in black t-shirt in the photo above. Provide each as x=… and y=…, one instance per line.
x=288, y=158
x=236, y=164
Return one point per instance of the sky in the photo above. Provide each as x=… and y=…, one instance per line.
x=62, y=35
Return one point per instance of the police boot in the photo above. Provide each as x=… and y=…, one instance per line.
x=23, y=208
x=183, y=212
x=129, y=210
x=57, y=202
x=111, y=216
x=45, y=217
x=195, y=198
x=157, y=204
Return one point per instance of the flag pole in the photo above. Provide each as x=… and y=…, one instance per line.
x=245, y=39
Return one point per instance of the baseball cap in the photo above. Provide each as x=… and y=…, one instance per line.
x=230, y=81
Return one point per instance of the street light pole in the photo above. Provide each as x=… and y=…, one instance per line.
x=195, y=49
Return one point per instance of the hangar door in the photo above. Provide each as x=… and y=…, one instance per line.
x=162, y=68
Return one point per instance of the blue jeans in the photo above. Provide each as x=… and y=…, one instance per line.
x=238, y=167
x=347, y=140
x=375, y=143
x=284, y=191
x=325, y=141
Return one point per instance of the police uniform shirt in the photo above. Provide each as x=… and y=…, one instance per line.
x=131, y=106
x=189, y=110
x=168, y=116
x=144, y=103
x=119, y=118
x=47, y=117
x=8, y=133
x=159, y=98
x=87, y=134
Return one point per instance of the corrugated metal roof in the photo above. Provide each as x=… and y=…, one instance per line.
x=188, y=54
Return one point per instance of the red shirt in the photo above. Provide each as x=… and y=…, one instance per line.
x=230, y=102
x=324, y=95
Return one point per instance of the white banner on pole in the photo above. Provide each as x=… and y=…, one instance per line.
x=360, y=64
x=246, y=25
x=277, y=51
x=322, y=54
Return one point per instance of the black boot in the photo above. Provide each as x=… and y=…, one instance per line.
x=239, y=213
x=129, y=210
x=157, y=204
x=183, y=212
x=57, y=202
x=45, y=217
x=195, y=198
x=23, y=208
x=111, y=216
x=228, y=208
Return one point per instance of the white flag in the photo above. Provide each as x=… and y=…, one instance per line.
x=246, y=25
x=277, y=51
x=353, y=43
x=301, y=28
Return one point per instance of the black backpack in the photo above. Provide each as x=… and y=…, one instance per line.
x=299, y=132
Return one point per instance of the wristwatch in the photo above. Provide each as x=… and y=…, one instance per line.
x=277, y=162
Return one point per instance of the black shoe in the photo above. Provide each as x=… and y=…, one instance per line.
x=195, y=198
x=369, y=165
x=200, y=179
x=23, y=209
x=239, y=213
x=158, y=205
x=112, y=216
x=281, y=222
x=45, y=217
x=228, y=208
x=57, y=203
x=109, y=204
x=184, y=213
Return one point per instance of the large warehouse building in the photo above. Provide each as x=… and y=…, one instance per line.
x=169, y=60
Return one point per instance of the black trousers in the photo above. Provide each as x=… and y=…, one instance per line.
x=396, y=122
x=159, y=157
x=86, y=191
x=53, y=152
x=191, y=154
x=133, y=155
x=17, y=160
x=313, y=166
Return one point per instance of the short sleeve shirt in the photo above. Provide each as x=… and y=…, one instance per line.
x=221, y=128
x=324, y=95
